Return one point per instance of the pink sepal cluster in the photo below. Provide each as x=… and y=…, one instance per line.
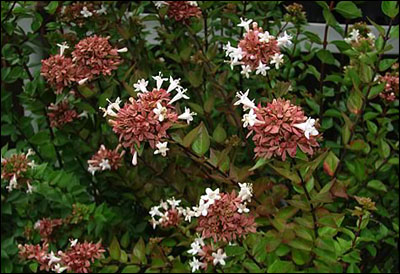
x=61, y=114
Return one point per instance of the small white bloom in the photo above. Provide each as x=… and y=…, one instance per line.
x=164, y=217
x=134, y=159
x=187, y=115
x=200, y=241
x=159, y=80
x=308, y=128
x=30, y=152
x=277, y=59
x=13, y=183
x=141, y=85
x=63, y=47
x=195, y=248
x=36, y=226
x=160, y=112
x=125, y=49
x=104, y=164
x=84, y=114
x=81, y=82
x=93, y=169
x=242, y=208
x=164, y=205
x=159, y=4
x=154, y=223
x=155, y=211
x=181, y=94
x=211, y=196
x=219, y=257
x=73, y=242
x=58, y=268
x=188, y=213
x=246, y=70
x=285, y=40
x=202, y=209
x=112, y=108
x=262, y=69
x=173, y=84
x=264, y=37
x=86, y=13
x=195, y=264
x=354, y=36
x=102, y=10
x=250, y=119
x=173, y=203
x=245, y=24
x=161, y=148
x=30, y=188
x=246, y=191
x=371, y=36
x=193, y=3
x=244, y=99
x=52, y=258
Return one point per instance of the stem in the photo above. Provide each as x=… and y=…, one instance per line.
x=52, y=140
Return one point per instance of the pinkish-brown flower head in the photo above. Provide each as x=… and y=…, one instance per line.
x=61, y=114
x=183, y=11
x=106, y=159
x=79, y=257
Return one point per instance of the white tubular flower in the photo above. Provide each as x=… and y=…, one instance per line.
x=102, y=10
x=193, y=3
x=246, y=191
x=160, y=112
x=308, y=128
x=86, y=13
x=73, y=242
x=371, y=36
x=181, y=94
x=277, y=59
x=173, y=84
x=13, y=183
x=246, y=70
x=52, y=258
x=173, y=203
x=219, y=257
x=125, y=49
x=285, y=40
x=202, y=209
x=58, y=268
x=250, y=119
x=159, y=80
x=63, y=47
x=160, y=4
x=104, y=164
x=155, y=211
x=81, y=82
x=262, y=69
x=264, y=37
x=154, y=223
x=200, y=241
x=84, y=114
x=141, y=85
x=187, y=115
x=195, y=264
x=30, y=152
x=354, y=35
x=30, y=188
x=242, y=208
x=161, y=148
x=211, y=196
x=244, y=99
x=245, y=23
x=134, y=158
x=112, y=108
x=195, y=248
x=93, y=169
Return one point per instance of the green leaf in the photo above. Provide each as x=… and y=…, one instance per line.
x=131, y=269
x=287, y=173
x=202, y=142
x=115, y=249
x=355, y=101
x=386, y=64
x=348, y=9
x=139, y=252
x=40, y=138
x=234, y=250
x=331, y=163
x=377, y=185
x=219, y=134
x=379, y=28
x=260, y=162
x=326, y=57
x=52, y=7
x=109, y=269
x=384, y=148
x=279, y=266
x=37, y=22
x=390, y=8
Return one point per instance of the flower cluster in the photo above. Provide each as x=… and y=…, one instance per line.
x=14, y=170
x=147, y=118
x=279, y=128
x=61, y=113
x=78, y=12
x=77, y=258
x=295, y=14
x=167, y=214
x=222, y=218
x=359, y=35
x=180, y=11
x=258, y=50
x=391, y=89
x=92, y=56
x=46, y=226
x=105, y=159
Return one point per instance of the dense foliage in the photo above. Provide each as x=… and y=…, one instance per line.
x=178, y=136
